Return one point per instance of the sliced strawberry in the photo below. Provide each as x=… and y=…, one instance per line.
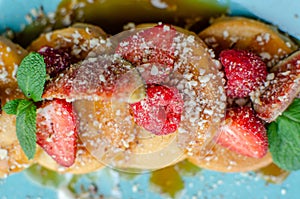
x=101, y=77
x=56, y=60
x=57, y=132
x=282, y=87
x=159, y=113
x=151, y=51
x=244, y=72
x=243, y=133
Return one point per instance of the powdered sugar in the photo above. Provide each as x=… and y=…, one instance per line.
x=200, y=104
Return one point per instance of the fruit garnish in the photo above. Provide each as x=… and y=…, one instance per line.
x=244, y=72
x=160, y=112
x=37, y=127
x=25, y=112
x=248, y=34
x=282, y=87
x=284, y=138
x=102, y=77
x=152, y=51
x=243, y=133
x=56, y=60
x=57, y=132
x=31, y=77
x=108, y=127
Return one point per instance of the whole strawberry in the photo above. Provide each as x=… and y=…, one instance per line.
x=56, y=60
x=243, y=133
x=159, y=113
x=244, y=72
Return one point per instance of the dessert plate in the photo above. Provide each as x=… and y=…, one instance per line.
x=181, y=181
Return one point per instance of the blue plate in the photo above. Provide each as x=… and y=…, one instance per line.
x=193, y=183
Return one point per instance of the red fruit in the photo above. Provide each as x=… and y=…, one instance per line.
x=243, y=133
x=244, y=72
x=56, y=60
x=57, y=132
x=283, y=86
x=159, y=113
x=103, y=77
x=152, y=51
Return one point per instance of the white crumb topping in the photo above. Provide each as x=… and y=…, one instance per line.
x=3, y=154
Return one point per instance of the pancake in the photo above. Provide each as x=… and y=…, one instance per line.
x=248, y=34
x=78, y=40
x=109, y=130
x=255, y=36
x=12, y=157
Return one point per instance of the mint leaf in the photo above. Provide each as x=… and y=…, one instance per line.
x=16, y=106
x=293, y=112
x=284, y=139
x=26, y=127
x=11, y=107
x=31, y=76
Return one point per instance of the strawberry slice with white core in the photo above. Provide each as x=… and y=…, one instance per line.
x=152, y=51
x=244, y=72
x=282, y=86
x=57, y=132
x=243, y=133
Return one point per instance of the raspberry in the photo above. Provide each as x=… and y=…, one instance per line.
x=56, y=60
x=159, y=113
x=244, y=72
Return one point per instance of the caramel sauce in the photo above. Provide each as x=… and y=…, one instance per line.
x=113, y=15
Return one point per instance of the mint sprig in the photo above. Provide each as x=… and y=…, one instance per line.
x=31, y=77
x=26, y=126
x=284, y=138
